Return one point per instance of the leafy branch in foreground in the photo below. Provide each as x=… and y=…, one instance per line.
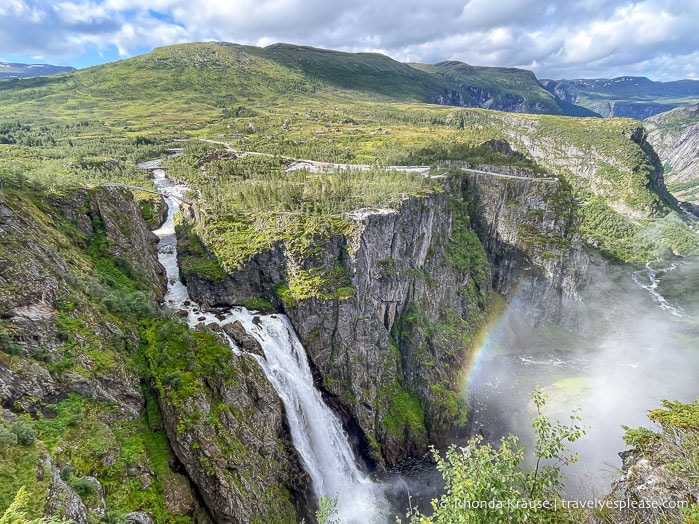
x=485, y=484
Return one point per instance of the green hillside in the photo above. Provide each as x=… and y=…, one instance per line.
x=94, y=125
x=217, y=74
x=675, y=136
x=515, y=90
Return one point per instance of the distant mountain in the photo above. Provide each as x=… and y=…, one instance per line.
x=626, y=96
x=15, y=70
x=218, y=72
x=675, y=137
x=445, y=83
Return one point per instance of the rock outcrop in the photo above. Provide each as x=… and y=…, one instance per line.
x=77, y=270
x=230, y=435
x=44, y=279
x=62, y=501
x=529, y=230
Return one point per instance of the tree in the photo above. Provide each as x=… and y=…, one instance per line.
x=485, y=484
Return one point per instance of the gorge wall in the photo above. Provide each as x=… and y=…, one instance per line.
x=123, y=396
x=416, y=286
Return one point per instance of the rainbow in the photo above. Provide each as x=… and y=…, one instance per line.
x=487, y=341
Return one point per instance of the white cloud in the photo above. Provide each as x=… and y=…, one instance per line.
x=557, y=39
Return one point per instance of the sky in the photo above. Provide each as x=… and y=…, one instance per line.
x=559, y=39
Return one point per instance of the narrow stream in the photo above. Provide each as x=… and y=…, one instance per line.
x=316, y=431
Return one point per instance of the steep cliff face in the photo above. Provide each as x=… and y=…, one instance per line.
x=675, y=136
x=529, y=230
x=47, y=284
x=76, y=271
x=226, y=425
x=130, y=411
x=396, y=280
x=413, y=287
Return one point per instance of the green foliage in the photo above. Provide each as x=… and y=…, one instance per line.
x=465, y=250
x=8, y=344
x=551, y=444
x=19, y=432
x=614, y=234
x=150, y=208
x=327, y=508
x=438, y=152
x=641, y=438
x=16, y=513
x=691, y=514
x=676, y=447
x=485, y=484
x=82, y=486
x=677, y=414
x=177, y=358
x=259, y=304
x=284, y=294
x=26, y=434
x=448, y=405
x=405, y=414
x=7, y=437
x=194, y=258
x=21, y=466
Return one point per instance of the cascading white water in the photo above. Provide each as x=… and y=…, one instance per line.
x=652, y=287
x=316, y=432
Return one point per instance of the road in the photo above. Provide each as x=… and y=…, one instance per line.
x=315, y=166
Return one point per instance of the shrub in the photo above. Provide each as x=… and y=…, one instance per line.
x=481, y=480
x=26, y=434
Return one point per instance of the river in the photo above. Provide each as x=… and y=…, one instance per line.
x=639, y=345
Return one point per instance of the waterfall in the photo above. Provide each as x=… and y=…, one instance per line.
x=316, y=431
x=652, y=287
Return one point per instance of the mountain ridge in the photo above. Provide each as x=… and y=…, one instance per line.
x=303, y=69
x=20, y=70
x=625, y=96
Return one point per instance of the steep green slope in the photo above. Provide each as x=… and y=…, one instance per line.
x=505, y=89
x=75, y=277
x=98, y=385
x=675, y=136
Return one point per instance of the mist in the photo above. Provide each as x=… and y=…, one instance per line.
x=637, y=344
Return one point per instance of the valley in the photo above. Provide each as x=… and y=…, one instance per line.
x=328, y=271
